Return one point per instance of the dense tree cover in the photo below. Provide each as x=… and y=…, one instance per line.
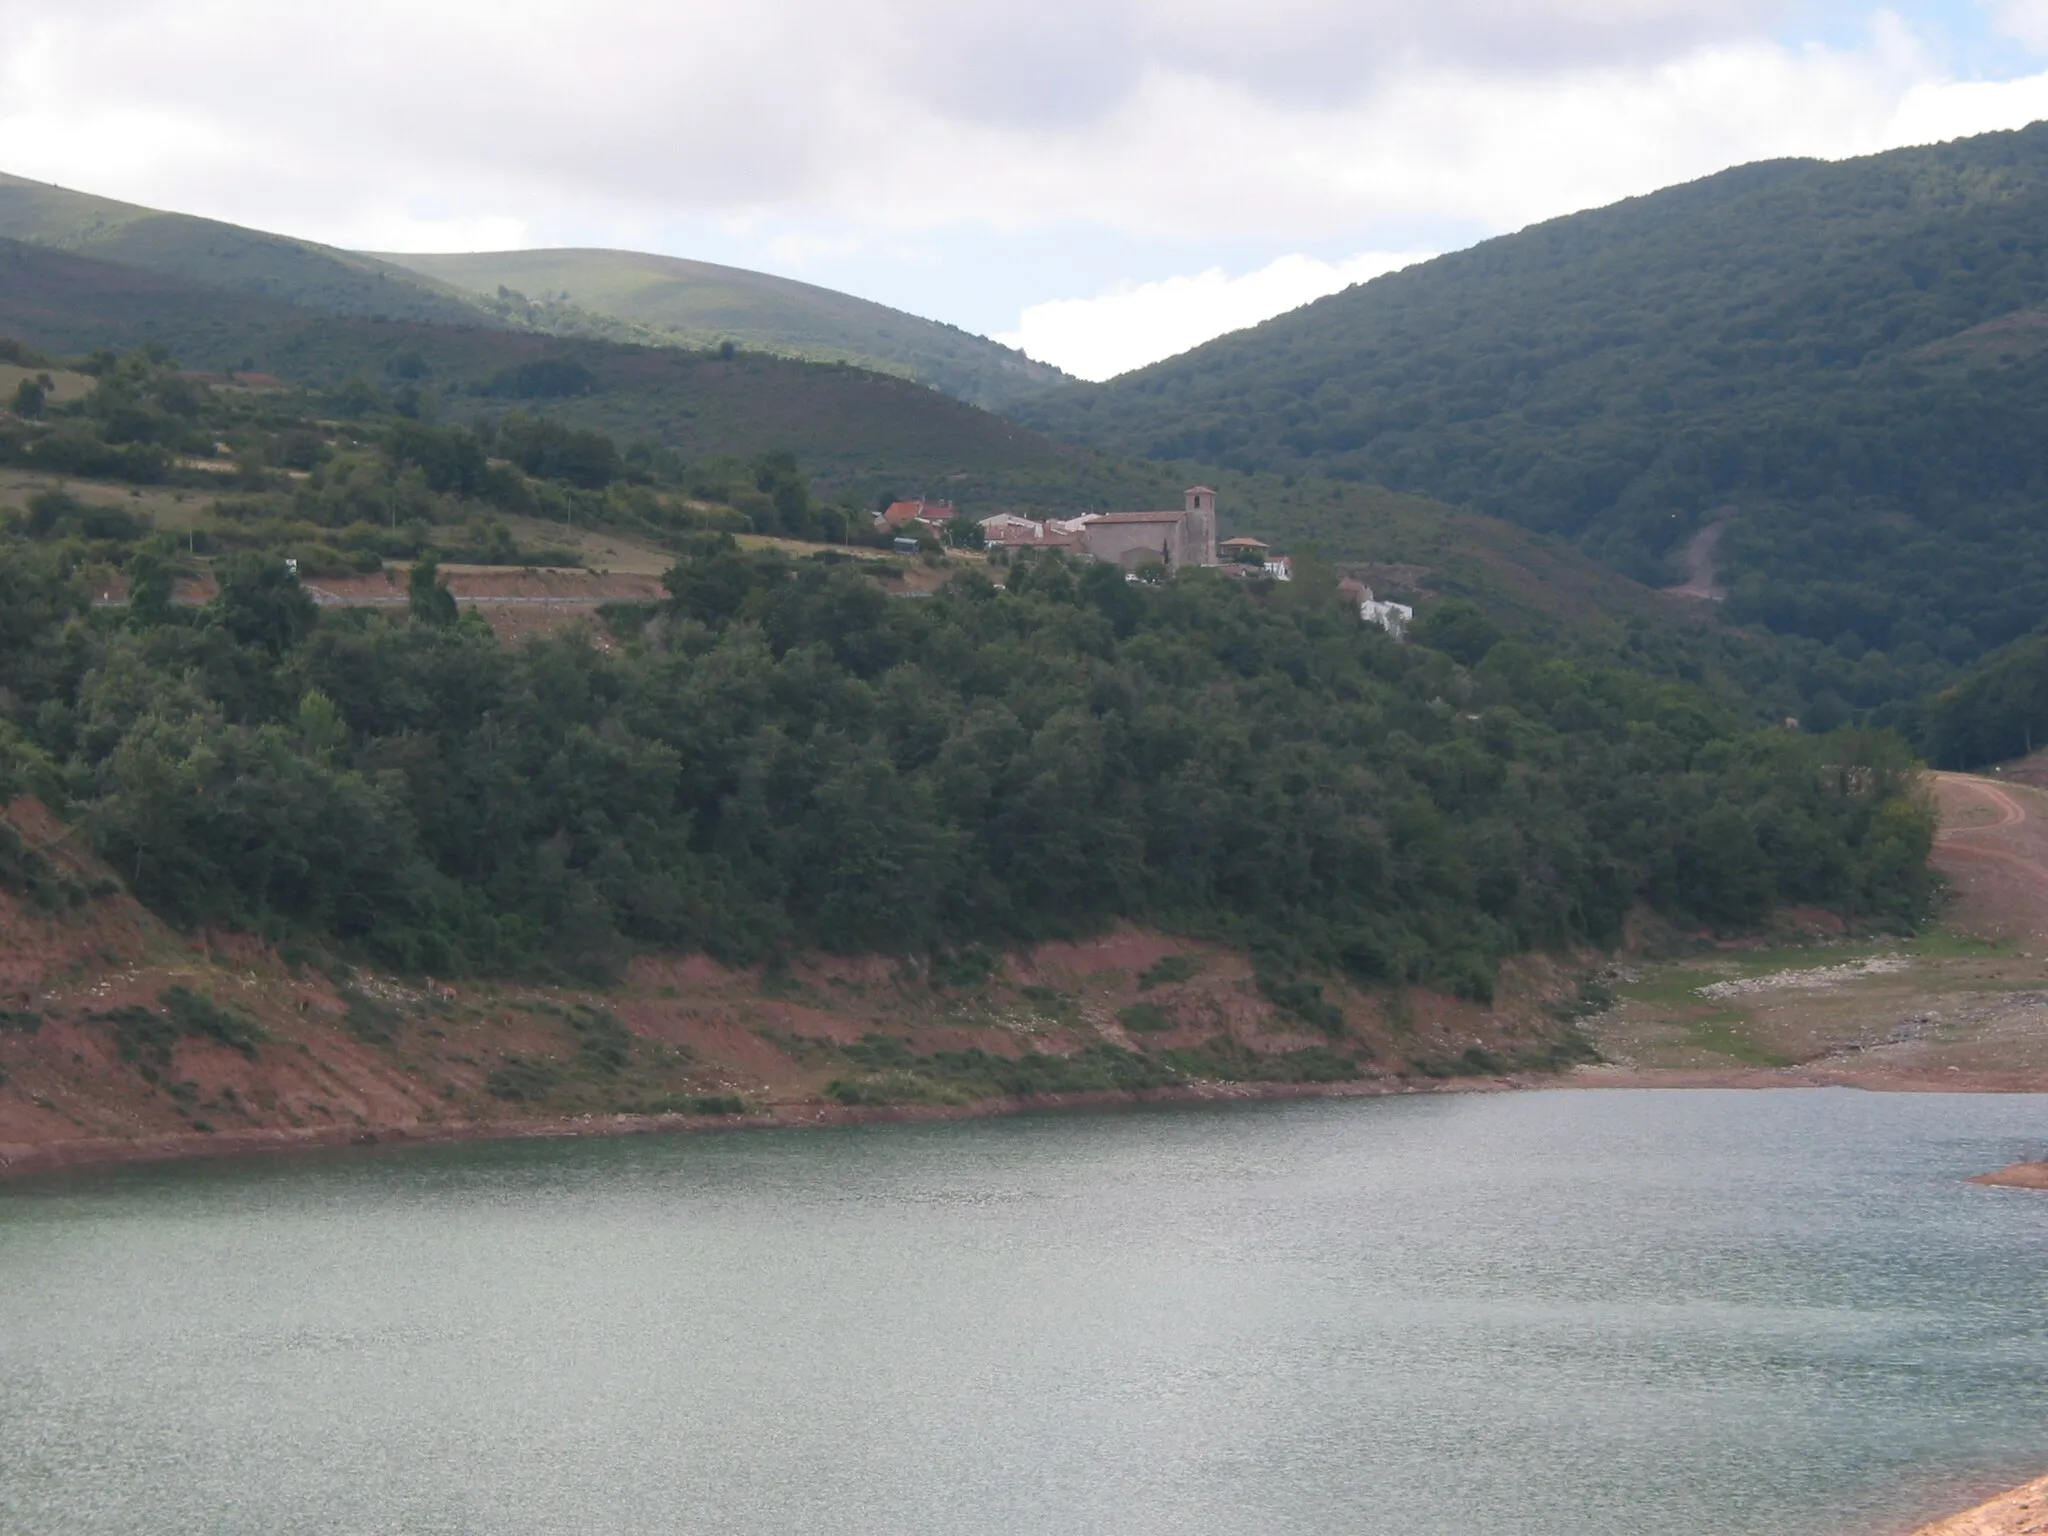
x=790, y=757
x=1792, y=345
x=1996, y=710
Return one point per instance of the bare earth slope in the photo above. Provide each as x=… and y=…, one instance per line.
x=97, y=1063
x=1993, y=846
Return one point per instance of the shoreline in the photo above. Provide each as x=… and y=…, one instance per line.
x=2021, y=1511
x=2017, y=1176
x=26, y=1159
x=21, y=1159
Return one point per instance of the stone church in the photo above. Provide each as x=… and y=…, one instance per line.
x=1171, y=539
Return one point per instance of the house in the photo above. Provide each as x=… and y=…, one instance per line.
x=933, y=514
x=1006, y=530
x=1394, y=618
x=1244, y=550
x=1279, y=567
x=1037, y=536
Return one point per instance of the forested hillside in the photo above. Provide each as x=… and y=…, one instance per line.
x=1847, y=362
x=857, y=432
x=791, y=759
x=1995, y=711
x=700, y=304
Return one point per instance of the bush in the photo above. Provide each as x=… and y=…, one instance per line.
x=522, y=1079
x=1167, y=970
x=200, y=1017
x=1145, y=1019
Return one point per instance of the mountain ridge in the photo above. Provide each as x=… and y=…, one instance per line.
x=668, y=301
x=1837, y=359
x=680, y=300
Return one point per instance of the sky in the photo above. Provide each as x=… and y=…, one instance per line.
x=1100, y=182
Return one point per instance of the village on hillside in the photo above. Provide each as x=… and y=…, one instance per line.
x=1167, y=541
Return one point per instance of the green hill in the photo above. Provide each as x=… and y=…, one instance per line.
x=700, y=304
x=225, y=255
x=855, y=431
x=596, y=295
x=857, y=434
x=1847, y=363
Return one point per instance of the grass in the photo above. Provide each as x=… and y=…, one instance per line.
x=687, y=1104
x=1942, y=945
x=168, y=507
x=67, y=386
x=698, y=304
x=521, y=1079
x=1726, y=1034
x=367, y=1019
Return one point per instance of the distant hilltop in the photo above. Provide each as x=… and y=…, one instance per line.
x=605, y=295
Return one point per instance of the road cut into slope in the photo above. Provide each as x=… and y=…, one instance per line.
x=1993, y=847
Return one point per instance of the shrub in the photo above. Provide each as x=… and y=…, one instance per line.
x=1303, y=1000
x=1145, y=1019
x=522, y=1079
x=1167, y=970
x=196, y=1015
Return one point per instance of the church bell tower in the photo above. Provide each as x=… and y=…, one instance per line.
x=1201, y=511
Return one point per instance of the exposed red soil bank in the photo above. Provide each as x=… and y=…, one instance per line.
x=680, y=1042
x=2018, y=1176
x=2021, y=1512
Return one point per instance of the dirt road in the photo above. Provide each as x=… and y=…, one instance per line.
x=1993, y=846
x=1701, y=576
x=1965, y=1007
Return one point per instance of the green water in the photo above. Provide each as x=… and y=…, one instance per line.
x=1523, y=1315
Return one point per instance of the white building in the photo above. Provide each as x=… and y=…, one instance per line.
x=1394, y=618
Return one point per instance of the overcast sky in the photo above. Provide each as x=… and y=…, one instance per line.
x=1102, y=182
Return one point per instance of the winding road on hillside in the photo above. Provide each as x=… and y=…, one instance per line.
x=1993, y=846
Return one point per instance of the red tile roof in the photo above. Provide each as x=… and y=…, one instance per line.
x=901, y=512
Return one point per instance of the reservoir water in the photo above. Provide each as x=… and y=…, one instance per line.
x=1556, y=1314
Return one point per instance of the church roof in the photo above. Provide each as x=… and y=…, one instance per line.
x=1139, y=517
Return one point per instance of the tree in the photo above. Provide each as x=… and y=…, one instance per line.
x=1459, y=628
x=428, y=600
x=149, y=586
x=262, y=604
x=29, y=398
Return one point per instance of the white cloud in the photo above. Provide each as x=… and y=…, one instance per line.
x=2026, y=20
x=830, y=136
x=1136, y=324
